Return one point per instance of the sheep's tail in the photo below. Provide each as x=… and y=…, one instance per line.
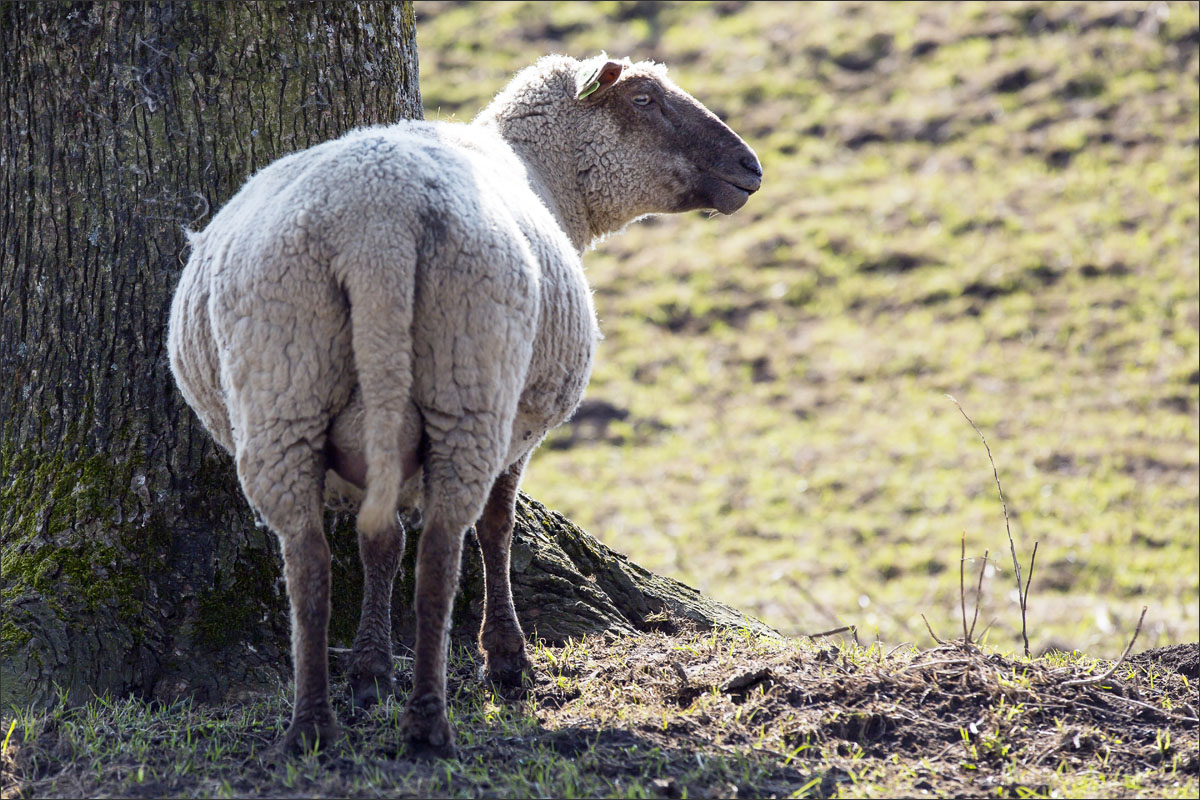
x=381, y=311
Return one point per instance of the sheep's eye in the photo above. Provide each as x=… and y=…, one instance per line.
x=642, y=100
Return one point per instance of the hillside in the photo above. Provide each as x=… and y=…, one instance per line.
x=993, y=201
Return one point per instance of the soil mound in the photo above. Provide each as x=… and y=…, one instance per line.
x=1183, y=658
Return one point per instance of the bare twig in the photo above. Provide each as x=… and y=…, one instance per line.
x=929, y=628
x=978, y=593
x=1149, y=707
x=1108, y=672
x=1021, y=589
x=1119, y=714
x=1025, y=597
x=1029, y=578
x=962, y=592
x=958, y=662
x=842, y=629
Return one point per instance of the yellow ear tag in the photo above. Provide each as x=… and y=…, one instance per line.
x=590, y=85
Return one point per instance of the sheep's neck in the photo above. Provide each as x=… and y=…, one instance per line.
x=552, y=176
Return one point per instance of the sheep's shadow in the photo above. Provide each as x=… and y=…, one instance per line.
x=515, y=732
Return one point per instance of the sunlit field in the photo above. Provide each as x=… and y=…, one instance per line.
x=992, y=201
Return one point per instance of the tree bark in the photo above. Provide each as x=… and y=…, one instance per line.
x=131, y=562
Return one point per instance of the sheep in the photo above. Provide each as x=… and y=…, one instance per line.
x=400, y=315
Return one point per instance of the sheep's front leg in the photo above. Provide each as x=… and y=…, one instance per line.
x=501, y=637
x=371, y=665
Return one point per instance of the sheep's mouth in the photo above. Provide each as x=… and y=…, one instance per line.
x=714, y=191
x=747, y=186
x=728, y=195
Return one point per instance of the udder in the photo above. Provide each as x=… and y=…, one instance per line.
x=345, y=447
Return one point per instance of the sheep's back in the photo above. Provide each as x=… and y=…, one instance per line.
x=412, y=200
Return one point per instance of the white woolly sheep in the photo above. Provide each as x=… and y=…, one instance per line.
x=403, y=311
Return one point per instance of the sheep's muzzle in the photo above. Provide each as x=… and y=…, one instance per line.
x=730, y=184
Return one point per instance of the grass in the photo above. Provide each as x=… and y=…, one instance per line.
x=993, y=201
x=697, y=714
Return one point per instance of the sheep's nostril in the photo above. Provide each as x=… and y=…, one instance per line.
x=751, y=165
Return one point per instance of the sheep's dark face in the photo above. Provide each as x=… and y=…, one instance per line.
x=668, y=153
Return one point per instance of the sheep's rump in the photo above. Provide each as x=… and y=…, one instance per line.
x=395, y=259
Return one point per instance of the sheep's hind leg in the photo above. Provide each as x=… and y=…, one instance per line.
x=286, y=489
x=456, y=485
x=425, y=727
x=371, y=665
x=306, y=559
x=501, y=638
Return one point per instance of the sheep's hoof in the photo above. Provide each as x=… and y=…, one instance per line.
x=426, y=731
x=509, y=672
x=305, y=736
x=366, y=689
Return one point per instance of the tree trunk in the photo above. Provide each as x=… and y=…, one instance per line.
x=131, y=562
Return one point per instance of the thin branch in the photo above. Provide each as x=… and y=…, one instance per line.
x=929, y=628
x=915, y=664
x=1007, y=527
x=1160, y=711
x=842, y=629
x=978, y=593
x=1029, y=577
x=1108, y=672
x=1118, y=714
x=1025, y=598
x=962, y=592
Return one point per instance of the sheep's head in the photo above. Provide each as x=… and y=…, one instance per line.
x=647, y=146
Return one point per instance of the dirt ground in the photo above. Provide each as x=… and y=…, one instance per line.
x=947, y=721
x=686, y=715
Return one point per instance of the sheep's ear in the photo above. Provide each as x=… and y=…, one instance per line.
x=597, y=80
